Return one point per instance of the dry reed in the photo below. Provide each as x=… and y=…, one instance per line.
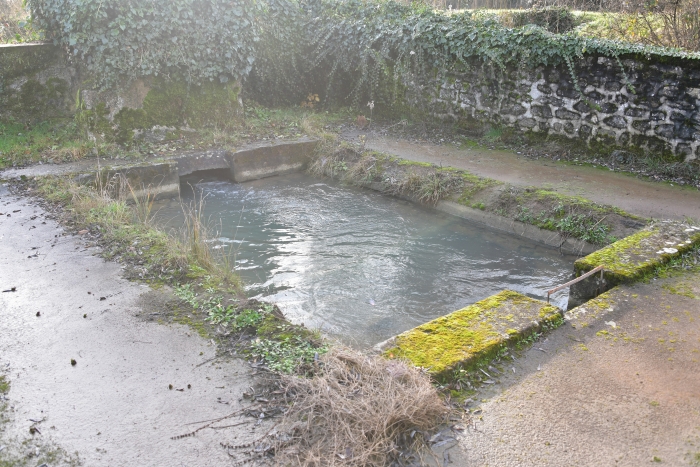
x=358, y=410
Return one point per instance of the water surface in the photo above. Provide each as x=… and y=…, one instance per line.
x=361, y=266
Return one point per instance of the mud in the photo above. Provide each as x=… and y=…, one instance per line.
x=114, y=406
x=634, y=195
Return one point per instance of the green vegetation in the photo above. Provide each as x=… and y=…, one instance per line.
x=364, y=51
x=569, y=216
x=283, y=347
x=15, y=23
x=57, y=141
x=130, y=235
x=157, y=38
x=286, y=355
x=564, y=218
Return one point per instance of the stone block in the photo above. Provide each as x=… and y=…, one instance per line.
x=565, y=114
x=637, y=112
x=616, y=121
x=630, y=258
x=541, y=111
x=665, y=131
x=527, y=122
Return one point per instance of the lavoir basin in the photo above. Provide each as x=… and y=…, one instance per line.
x=358, y=265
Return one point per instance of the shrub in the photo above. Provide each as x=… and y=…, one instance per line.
x=670, y=23
x=553, y=19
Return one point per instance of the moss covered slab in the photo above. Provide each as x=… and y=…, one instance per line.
x=470, y=335
x=629, y=259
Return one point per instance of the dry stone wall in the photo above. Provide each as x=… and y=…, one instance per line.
x=648, y=104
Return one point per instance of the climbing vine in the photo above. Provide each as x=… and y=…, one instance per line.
x=197, y=40
x=357, y=45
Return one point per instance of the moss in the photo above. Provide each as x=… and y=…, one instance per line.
x=35, y=101
x=197, y=325
x=681, y=289
x=174, y=104
x=473, y=334
x=415, y=163
x=4, y=385
x=616, y=257
x=127, y=120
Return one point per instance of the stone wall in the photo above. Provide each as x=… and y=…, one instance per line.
x=651, y=104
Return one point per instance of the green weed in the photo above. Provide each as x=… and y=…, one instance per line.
x=56, y=141
x=286, y=355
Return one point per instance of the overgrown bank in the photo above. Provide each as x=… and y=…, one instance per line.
x=567, y=216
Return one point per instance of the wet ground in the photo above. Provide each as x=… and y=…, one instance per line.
x=114, y=406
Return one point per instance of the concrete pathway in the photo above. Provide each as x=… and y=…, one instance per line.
x=114, y=407
x=619, y=390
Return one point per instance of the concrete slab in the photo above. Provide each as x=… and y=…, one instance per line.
x=630, y=258
x=267, y=160
x=617, y=385
x=472, y=334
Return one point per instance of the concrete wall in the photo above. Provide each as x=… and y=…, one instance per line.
x=39, y=81
x=650, y=104
x=36, y=82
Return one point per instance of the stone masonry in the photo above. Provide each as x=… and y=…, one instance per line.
x=650, y=104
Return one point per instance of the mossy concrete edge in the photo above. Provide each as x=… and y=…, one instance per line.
x=514, y=227
x=630, y=258
x=474, y=334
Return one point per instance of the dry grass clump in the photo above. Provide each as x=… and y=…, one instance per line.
x=358, y=410
x=125, y=223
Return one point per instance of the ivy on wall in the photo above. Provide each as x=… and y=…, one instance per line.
x=359, y=45
x=194, y=40
x=346, y=50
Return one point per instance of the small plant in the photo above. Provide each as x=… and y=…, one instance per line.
x=186, y=294
x=433, y=188
x=494, y=135
x=219, y=314
x=249, y=318
x=285, y=355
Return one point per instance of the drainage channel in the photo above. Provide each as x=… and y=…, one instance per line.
x=360, y=266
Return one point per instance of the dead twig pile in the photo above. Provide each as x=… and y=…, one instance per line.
x=358, y=410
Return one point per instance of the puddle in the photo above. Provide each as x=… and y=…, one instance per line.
x=361, y=266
